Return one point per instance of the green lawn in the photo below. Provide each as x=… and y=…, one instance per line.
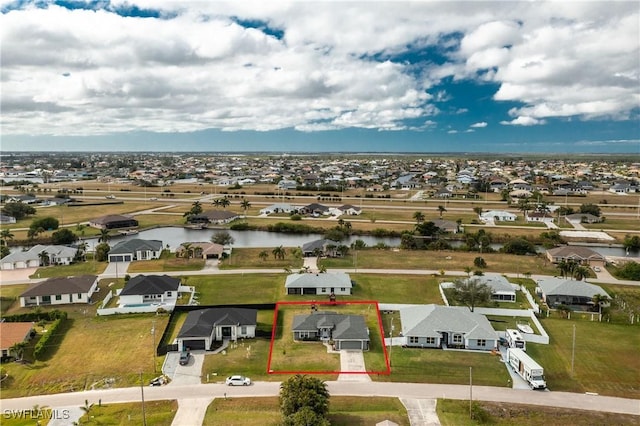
x=520, y=303
x=80, y=268
x=248, y=358
x=168, y=262
x=241, y=288
x=606, y=357
x=249, y=258
x=9, y=296
x=157, y=413
x=343, y=410
x=396, y=288
x=437, y=366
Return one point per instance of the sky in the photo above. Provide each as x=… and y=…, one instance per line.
x=320, y=76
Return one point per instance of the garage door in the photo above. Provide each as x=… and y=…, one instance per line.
x=194, y=345
x=350, y=345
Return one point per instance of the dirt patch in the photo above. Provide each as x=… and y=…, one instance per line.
x=16, y=275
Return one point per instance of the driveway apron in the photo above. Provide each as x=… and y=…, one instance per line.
x=421, y=412
x=352, y=362
x=191, y=411
x=188, y=374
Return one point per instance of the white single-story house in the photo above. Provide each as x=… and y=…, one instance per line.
x=435, y=326
x=150, y=289
x=135, y=249
x=337, y=283
x=577, y=295
x=542, y=217
x=350, y=210
x=582, y=255
x=346, y=331
x=446, y=225
x=32, y=258
x=4, y=219
x=203, y=327
x=279, y=208
x=12, y=333
x=583, y=218
x=287, y=184
x=498, y=215
x=501, y=289
x=204, y=250
x=214, y=216
x=60, y=291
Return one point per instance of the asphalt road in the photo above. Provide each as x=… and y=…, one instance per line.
x=400, y=390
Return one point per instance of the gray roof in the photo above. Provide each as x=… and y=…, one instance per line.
x=562, y=287
x=346, y=327
x=150, y=284
x=317, y=244
x=103, y=220
x=494, y=282
x=327, y=279
x=432, y=320
x=574, y=251
x=200, y=323
x=34, y=252
x=134, y=245
x=61, y=285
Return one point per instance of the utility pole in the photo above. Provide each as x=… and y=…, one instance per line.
x=390, y=341
x=153, y=333
x=470, y=391
x=573, y=348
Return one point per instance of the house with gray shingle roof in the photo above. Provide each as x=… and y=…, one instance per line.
x=346, y=331
x=60, y=291
x=135, y=249
x=322, y=247
x=150, y=289
x=501, y=289
x=578, y=295
x=582, y=255
x=435, y=326
x=203, y=327
x=337, y=283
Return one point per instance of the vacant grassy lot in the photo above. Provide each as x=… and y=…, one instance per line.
x=456, y=413
x=80, y=268
x=168, y=262
x=396, y=288
x=606, y=357
x=249, y=258
x=116, y=347
x=233, y=289
x=248, y=358
x=437, y=366
x=343, y=410
x=440, y=260
x=9, y=295
x=157, y=413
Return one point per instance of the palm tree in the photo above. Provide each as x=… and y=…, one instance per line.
x=18, y=349
x=245, y=204
x=419, y=217
x=263, y=255
x=441, y=209
x=279, y=253
x=44, y=258
x=598, y=300
x=224, y=202
x=82, y=250
x=104, y=236
x=477, y=210
x=5, y=235
x=524, y=206
x=216, y=202
x=187, y=250
x=468, y=270
x=580, y=272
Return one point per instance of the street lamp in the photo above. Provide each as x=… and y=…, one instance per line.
x=153, y=333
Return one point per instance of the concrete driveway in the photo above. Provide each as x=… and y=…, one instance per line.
x=421, y=412
x=16, y=274
x=352, y=363
x=184, y=374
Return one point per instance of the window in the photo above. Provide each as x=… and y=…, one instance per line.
x=243, y=330
x=413, y=339
x=342, y=289
x=431, y=340
x=324, y=289
x=79, y=296
x=58, y=297
x=168, y=294
x=482, y=343
x=457, y=338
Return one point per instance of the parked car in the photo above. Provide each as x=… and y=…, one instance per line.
x=596, y=268
x=184, y=358
x=110, y=197
x=153, y=199
x=238, y=381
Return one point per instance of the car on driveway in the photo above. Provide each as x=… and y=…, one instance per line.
x=184, y=358
x=596, y=268
x=238, y=381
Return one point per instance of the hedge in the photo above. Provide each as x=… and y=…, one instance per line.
x=36, y=316
x=41, y=346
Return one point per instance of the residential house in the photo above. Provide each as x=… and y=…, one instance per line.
x=12, y=333
x=113, y=221
x=203, y=250
x=60, y=291
x=34, y=257
x=322, y=247
x=150, y=289
x=446, y=225
x=622, y=188
x=287, y=184
x=583, y=218
x=135, y=249
x=336, y=283
x=203, y=327
x=498, y=215
x=346, y=331
x=4, y=219
x=578, y=295
x=57, y=201
x=543, y=217
x=581, y=255
x=214, y=216
x=23, y=198
x=315, y=209
x=435, y=326
x=279, y=208
x=501, y=289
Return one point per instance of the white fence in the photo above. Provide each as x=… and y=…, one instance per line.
x=136, y=309
x=106, y=300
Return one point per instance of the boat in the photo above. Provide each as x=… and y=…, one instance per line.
x=524, y=327
x=128, y=232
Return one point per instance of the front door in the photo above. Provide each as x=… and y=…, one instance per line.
x=226, y=332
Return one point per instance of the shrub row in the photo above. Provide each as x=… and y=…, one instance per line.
x=41, y=346
x=36, y=316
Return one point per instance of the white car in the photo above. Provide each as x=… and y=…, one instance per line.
x=596, y=268
x=238, y=381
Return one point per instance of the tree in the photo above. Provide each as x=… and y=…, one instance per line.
x=580, y=273
x=81, y=254
x=222, y=238
x=631, y=243
x=599, y=300
x=629, y=271
x=519, y=246
x=44, y=258
x=279, y=253
x=427, y=229
x=18, y=210
x=467, y=270
x=471, y=292
x=18, y=350
x=479, y=262
x=196, y=209
x=102, y=252
x=358, y=244
x=590, y=209
x=441, y=210
x=104, y=236
x=224, y=202
x=263, y=255
x=187, y=250
x=524, y=206
x=302, y=391
x=6, y=235
x=4, y=251
x=45, y=223
x=64, y=236
x=305, y=417
x=32, y=233
x=419, y=217
x=245, y=204
x=477, y=210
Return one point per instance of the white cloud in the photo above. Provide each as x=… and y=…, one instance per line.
x=523, y=121
x=452, y=132
x=479, y=125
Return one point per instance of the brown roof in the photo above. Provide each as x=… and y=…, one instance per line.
x=573, y=251
x=13, y=332
x=219, y=214
x=111, y=218
x=61, y=285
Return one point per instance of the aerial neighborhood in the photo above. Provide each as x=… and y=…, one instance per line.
x=244, y=269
